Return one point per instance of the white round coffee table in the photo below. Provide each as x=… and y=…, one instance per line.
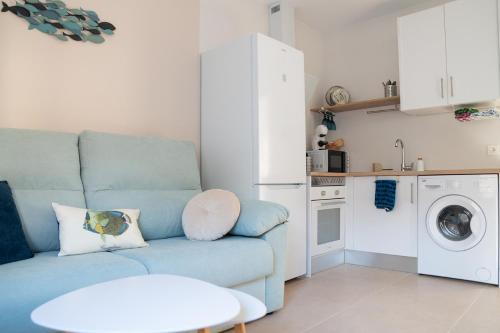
x=251, y=309
x=140, y=304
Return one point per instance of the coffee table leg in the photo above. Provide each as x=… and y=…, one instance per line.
x=240, y=328
x=204, y=330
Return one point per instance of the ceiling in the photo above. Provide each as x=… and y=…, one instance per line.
x=327, y=15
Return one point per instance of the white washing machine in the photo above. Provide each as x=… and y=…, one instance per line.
x=458, y=227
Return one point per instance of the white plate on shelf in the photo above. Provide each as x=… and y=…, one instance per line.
x=337, y=95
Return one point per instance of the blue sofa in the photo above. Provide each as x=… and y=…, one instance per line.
x=109, y=171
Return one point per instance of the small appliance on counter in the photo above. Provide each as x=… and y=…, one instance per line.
x=326, y=223
x=319, y=139
x=329, y=161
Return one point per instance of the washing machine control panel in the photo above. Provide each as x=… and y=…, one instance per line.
x=487, y=186
x=484, y=185
x=433, y=183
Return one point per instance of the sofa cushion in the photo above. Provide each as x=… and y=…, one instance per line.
x=13, y=245
x=156, y=175
x=258, y=217
x=24, y=285
x=41, y=168
x=226, y=262
x=84, y=230
x=210, y=215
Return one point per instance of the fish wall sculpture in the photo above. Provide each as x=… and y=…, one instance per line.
x=54, y=18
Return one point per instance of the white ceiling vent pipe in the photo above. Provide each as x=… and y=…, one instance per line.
x=282, y=22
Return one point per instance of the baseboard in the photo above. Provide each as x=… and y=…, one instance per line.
x=327, y=261
x=384, y=261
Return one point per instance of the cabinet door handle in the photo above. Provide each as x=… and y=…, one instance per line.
x=451, y=86
x=411, y=193
x=442, y=88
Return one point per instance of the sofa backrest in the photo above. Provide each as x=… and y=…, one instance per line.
x=156, y=175
x=41, y=168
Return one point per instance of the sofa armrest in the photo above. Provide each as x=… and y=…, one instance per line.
x=258, y=217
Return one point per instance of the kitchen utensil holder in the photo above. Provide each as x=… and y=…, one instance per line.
x=390, y=90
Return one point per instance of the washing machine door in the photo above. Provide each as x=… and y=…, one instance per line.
x=456, y=223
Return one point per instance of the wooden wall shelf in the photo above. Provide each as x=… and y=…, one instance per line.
x=368, y=104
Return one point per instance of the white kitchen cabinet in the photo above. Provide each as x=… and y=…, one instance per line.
x=448, y=55
x=378, y=231
x=422, y=59
x=472, y=51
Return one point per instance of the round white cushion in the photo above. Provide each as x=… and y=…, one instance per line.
x=210, y=215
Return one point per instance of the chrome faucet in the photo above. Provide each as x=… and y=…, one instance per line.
x=404, y=166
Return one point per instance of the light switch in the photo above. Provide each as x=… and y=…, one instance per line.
x=493, y=150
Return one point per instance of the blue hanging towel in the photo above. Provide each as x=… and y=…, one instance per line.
x=385, y=194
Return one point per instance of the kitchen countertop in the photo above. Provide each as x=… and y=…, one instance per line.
x=407, y=173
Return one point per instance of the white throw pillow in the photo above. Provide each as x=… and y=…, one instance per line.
x=86, y=230
x=210, y=215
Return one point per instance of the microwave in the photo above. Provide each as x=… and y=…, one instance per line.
x=328, y=161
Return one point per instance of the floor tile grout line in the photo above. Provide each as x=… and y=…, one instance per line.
x=375, y=292
x=466, y=311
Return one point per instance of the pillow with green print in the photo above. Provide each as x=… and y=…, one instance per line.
x=86, y=230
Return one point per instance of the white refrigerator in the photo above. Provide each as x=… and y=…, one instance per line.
x=253, y=130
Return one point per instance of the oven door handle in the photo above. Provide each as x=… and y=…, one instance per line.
x=332, y=203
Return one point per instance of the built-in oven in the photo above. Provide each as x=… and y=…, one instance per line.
x=327, y=232
x=326, y=225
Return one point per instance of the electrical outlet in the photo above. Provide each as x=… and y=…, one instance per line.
x=493, y=150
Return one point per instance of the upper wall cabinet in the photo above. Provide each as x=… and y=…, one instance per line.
x=448, y=55
x=422, y=59
x=472, y=51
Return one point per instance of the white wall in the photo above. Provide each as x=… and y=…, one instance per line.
x=360, y=57
x=143, y=80
x=443, y=142
x=224, y=20
x=311, y=42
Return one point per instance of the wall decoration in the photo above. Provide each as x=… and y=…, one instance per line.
x=54, y=18
x=337, y=95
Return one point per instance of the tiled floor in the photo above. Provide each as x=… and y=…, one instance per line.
x=360, y=299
